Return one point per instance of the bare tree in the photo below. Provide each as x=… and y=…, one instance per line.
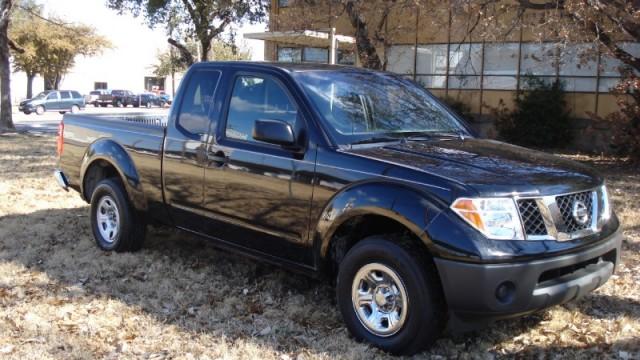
x=6, y=121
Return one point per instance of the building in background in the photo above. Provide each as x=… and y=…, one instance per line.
x=450, y=61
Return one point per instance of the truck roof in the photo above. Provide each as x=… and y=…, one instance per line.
x=291, y=67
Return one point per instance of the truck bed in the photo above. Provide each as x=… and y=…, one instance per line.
x=138, y=136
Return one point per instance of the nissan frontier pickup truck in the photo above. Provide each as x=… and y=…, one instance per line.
x=356, y=176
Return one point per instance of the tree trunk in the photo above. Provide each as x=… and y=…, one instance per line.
x=367, y=52
x=52, y=82
x=206, y=47
x=6, y=120
x=30, y=78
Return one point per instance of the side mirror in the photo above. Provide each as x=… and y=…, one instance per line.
x=274, y=132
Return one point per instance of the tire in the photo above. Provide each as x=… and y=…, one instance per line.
x=117, y=104
x=148, y=105
x=40, y=110
x=96, y=104
x=27, y=112
x=103, y=105
x=62, y=112
x=406, y=271
x=75, y=109
x=109, y=199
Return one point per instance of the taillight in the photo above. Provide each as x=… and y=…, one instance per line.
x=60, y=143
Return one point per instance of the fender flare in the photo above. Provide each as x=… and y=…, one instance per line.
x=410, y=207
x=113, y=153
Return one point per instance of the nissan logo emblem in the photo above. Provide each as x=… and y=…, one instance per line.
x=580, y=212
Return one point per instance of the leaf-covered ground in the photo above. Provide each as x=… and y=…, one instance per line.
x=61, y=297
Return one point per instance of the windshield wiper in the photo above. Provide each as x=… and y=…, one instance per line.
x=374, y=140
x=431, y=135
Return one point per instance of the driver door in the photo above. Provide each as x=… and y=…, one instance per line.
x=260, y=193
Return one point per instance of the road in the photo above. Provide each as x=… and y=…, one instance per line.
x=48, y=122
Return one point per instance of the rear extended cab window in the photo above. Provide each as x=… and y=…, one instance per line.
x=198, y=97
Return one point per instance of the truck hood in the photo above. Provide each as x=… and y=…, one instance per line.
x=489, y=167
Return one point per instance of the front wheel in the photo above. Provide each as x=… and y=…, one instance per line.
x=116, y=225
x=39, y=109
x=390, y=296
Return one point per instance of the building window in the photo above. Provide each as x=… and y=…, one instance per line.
x=346, y=57
x=153, y=84
x=465, y=64
x=283, y=3
x=315, y=55
x=400, y=59
x=503, y=66
x=99, y=86
x=289, y=54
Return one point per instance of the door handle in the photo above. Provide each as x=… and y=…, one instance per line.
x=218, y=159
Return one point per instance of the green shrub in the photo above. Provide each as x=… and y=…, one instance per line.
x=459, y=107
x=540, y=117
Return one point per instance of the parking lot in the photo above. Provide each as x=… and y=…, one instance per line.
x=48, y=122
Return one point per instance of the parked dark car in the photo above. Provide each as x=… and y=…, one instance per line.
x=117, y=98
x=149, y=100
x=53, y=100
x=358, y=176
x=166, y=97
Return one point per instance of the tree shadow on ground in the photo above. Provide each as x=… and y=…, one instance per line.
x=183, y=280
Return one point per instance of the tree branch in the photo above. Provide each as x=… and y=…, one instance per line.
x=549, y=5
x=185, y=55
x=15, y=47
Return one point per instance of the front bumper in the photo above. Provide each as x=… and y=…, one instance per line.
x=26, y=107
x=478, y=293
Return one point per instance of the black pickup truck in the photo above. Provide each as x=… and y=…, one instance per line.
x=357, y=176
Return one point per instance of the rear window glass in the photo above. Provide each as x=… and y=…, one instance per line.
x=76, y=95
x=65, y=95
x=197, y=100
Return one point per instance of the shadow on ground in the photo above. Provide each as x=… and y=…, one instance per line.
x=184, y=281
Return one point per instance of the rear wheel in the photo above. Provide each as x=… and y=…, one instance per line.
x=148, y=104
x=62, y=112
x=39, y=109
x=26, y=112
x=390, y=296
x=118, y=103
x=75, y=109
x=116, y=225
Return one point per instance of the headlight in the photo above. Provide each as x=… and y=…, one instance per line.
x=605, y=213
x=495, y=218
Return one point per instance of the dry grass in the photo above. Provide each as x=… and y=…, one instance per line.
x=60, y=297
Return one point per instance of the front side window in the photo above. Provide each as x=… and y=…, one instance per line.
x=197, y=100
x=366, y=105
x=257, y=98
x=52, y=96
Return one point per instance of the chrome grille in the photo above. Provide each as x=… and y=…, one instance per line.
x=531, y=217
x=552, y=218
x=565, y=204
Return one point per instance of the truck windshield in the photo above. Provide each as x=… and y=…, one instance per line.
x=367, y=107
